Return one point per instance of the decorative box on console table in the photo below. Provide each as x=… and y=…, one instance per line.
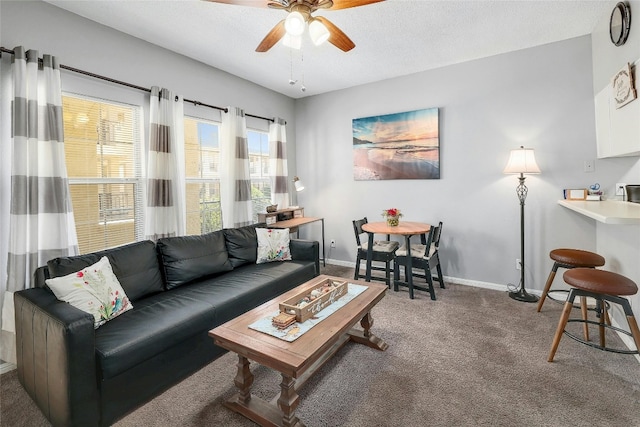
x=281, y=215
x=306, y=305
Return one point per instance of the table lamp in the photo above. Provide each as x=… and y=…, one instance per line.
x=298, y=185
x=522, y=161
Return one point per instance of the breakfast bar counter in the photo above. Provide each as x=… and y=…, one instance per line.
x=606, y=211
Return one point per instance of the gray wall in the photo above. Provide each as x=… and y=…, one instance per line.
x=540, y=97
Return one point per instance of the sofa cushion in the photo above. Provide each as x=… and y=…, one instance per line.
x=165, y=320
x=154, y=325
x=95, y=290
x=135, y=265
x=248, y=286
x=242, y=244
x=188, y=258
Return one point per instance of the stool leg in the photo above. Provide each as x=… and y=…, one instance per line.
x=585, y=325
x=635, y=332
x=547, y=285
x=566, y=311
x=601, y=309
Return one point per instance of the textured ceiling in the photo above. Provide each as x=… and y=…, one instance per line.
x=393, y=38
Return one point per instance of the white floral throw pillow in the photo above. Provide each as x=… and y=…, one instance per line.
x=94, y=289
x=273, y=245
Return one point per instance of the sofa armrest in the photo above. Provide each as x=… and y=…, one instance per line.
x=55, y=349
x=40, y=276
x=305, y=250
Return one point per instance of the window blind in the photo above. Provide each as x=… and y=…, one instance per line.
x=103, y=156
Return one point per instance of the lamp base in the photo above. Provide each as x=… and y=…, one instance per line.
x=523, y=296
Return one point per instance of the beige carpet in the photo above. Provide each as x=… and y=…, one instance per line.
x=473, y=357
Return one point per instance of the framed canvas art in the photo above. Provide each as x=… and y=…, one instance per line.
x=397, y=146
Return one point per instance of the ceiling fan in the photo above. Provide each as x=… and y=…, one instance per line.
x=292, y=27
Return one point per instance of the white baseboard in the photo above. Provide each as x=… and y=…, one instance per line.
x=341, y=263
x=6, y=367
x=476, y=284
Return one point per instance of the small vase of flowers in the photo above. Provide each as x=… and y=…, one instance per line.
x=392, y=216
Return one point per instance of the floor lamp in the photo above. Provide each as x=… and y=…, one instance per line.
x=522, y=161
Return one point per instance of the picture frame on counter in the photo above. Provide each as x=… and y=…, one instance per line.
x=575, y=194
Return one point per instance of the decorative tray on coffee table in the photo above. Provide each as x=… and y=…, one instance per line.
x=307, y=304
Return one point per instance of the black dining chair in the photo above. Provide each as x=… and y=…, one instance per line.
x=425, y=256
x=435, y=246
x=382, y=251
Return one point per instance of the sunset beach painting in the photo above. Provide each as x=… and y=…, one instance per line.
x=397, y=146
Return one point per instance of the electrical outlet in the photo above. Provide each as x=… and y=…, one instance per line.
x=620, y=189
x=333, y=243
x=518, y=264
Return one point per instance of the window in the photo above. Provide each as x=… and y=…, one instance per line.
x=202, y=170
x=102, y=151
x=259, y=170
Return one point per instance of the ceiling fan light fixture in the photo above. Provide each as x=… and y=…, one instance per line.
x=294, y=42
x=318, y=32
x=294, y=24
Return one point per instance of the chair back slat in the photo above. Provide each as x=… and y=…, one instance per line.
x=428, y=239
x=436, y=236
x=357, y=228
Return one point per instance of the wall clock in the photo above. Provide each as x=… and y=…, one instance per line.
x=619, y=24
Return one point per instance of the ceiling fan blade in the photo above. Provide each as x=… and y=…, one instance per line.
x=346, y=4
x=272, y=37
x=252, y=3
x=337, y=37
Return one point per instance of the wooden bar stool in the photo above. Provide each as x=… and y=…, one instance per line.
x=605, y=287
x=568, y=258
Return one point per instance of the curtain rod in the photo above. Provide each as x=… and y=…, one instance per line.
x=144, y=89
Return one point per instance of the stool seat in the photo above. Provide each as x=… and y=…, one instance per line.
x=600, y=281
x=568, y=258
x=577, y=258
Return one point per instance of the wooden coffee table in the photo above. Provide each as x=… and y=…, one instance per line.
x=297, y=360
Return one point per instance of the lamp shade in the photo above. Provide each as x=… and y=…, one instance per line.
x=522, y=160
x=298, y=184
x=294, y=42
x=294, y=23
x=318, y=32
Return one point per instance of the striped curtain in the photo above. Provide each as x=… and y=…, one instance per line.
x=41, y=217
x=235, y=181
x=278, y=173
x=166, y=205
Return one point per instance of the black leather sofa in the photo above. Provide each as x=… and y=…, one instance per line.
x=180, y=288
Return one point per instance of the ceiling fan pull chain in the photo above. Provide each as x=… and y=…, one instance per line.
x=303, y=87
x=291, y=81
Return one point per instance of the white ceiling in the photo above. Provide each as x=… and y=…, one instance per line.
x=393, y=38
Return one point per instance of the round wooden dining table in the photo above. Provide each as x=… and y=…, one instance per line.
x=406, y=229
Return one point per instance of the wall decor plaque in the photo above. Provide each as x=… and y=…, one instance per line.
x=623, y=86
